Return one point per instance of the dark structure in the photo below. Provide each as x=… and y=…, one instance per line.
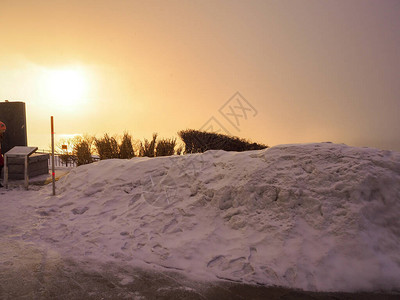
x=38, y=165
x=14, y=116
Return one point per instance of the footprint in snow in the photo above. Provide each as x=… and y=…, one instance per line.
x=160, y=251
x=79, y=210
x=236, y=268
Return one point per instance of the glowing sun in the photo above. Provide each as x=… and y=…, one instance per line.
x=67, y=87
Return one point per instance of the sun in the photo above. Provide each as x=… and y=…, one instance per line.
x=67, y=87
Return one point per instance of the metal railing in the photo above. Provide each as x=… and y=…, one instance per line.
x=58, y=161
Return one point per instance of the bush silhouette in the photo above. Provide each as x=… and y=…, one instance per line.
x=194, y=141
x=166, y=147
x=83, y=150
x=126, y=148
x=147, y=148
x=201, y=141
x=107, y=147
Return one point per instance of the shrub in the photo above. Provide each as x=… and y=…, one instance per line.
x=107, y=147
x=148, y=147
x=83, y=150
x=201, y=141
x=166, y=147
x=126, y=147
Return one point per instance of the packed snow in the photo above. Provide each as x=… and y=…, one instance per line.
x=320, y=217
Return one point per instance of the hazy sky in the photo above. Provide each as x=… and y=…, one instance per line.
x=309, y=71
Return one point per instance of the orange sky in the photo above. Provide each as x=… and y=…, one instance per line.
x=312, y=71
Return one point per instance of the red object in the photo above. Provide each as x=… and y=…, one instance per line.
x=2, y=129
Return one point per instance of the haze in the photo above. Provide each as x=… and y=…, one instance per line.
x=308, y=71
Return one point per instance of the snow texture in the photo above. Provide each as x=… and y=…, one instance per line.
x=320, y=217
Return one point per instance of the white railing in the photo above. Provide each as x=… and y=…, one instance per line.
x=58, y=162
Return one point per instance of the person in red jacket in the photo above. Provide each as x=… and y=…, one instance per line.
x=2, y=130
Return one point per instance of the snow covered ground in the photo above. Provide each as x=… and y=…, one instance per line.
x=319, y=217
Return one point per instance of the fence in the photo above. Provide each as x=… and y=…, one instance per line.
x=58, y=162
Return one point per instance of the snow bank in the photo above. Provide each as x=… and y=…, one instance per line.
x=314, y=216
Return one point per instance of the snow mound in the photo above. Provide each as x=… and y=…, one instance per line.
x=312, y=216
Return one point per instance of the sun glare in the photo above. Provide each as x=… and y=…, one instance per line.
x=67, y=87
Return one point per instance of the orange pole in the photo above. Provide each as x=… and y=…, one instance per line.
x=53, y=174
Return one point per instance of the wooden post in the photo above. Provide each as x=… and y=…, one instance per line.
x=53, y=174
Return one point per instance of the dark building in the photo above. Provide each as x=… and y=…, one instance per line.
x=14, y=116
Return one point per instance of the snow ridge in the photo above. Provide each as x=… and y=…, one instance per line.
x=311, y=216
